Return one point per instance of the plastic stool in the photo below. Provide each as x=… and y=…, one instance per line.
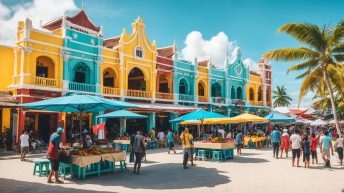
x=201, y=154
x=43, y=168
x=217, y=156
x=65, y=169
x=122, y=165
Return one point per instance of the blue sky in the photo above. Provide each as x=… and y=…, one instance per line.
x=250, y=24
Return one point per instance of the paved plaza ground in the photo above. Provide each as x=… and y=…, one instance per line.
x=254, y=171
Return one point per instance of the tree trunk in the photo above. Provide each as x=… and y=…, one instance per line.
x=333, y=102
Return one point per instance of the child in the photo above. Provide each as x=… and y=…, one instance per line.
x=339, y=148
x=306, y=150
x=314, y=144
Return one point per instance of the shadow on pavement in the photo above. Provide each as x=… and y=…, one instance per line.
x=10, y=186
x=247, y=160
x=163, y=176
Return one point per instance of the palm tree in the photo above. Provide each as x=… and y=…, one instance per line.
x=281, y=97
x=323, y=52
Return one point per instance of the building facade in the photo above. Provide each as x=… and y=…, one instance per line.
x=70, y=55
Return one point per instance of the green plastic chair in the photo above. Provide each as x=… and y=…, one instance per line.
x=42, y=168
x=217, y=156
x=65, y=169
x=201, y=154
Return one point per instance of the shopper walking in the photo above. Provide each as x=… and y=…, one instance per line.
x=295, y=140
x=24, y=145
x=239, y=141
x=275, y=140
x=339, y=148
x=325, y=147
x=314, y=144
x=170, y=141
x=306, y=146
x=187, y=142
x=55, y=143
x=139, y=148
x=285, y=142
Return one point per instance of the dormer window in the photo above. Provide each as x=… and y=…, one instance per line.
x=138, y=53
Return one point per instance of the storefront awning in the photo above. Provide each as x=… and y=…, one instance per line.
x=163, y=107
x=7, y=100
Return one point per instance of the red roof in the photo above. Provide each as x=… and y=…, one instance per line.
x=111, y=42
x=80, y=19
x=203, y=63
x=254, y=73
x=166, y=52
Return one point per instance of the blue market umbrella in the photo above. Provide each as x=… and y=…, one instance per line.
x=198, y=115
x=77, y=103
x=276, y=117
x=123, y=114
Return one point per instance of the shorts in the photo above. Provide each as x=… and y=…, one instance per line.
x=189, y=150
x=55, y=164
x=325, y=152
x=138, y=157
x=296, y=153
x=170, y=145
x=339, y=150
x=238, y=145
x=24, y=149
x=306, y=156
x=314, y=154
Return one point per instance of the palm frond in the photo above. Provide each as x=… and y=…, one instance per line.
x=310, y=64
x=291, y=54
x=306, y=33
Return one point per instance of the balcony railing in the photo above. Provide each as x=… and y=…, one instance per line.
x=202, y=99
x=82, y=87
x=219, y=100
x=138, y=93
x=185, y=97
x=110, y=90
x=162, y=95
x=46, y=82
x=257, y=103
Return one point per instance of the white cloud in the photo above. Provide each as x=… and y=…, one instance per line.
x=251, y=63
x=215, y=48
x=37, y=11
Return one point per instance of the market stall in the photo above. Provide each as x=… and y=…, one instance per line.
x=208, y=148
x=96, y=161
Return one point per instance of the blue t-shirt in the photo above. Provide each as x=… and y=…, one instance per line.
x=55, y=139
x=169, y=137
x=238, y=138
x=325, y=140
x=275, y=136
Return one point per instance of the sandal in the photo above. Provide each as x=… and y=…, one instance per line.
x=59, y=182
x=50, y=181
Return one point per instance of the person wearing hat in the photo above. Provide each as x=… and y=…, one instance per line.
x=88, y=141
x=55, y=143
x=284, y=142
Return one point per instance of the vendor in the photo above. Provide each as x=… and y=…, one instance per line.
x=88, y=142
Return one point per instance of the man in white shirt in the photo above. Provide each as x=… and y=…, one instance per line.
x=161, y=138
x=296, y=144
x=24, y=145
x=221, y=132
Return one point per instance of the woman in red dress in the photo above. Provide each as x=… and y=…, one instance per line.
x=284, y=142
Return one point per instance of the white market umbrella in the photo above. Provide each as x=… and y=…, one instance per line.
x=282, y=110
x=319, y=122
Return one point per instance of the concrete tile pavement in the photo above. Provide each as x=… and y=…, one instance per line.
x=254, y=171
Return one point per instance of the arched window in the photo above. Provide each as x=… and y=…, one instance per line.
x=183, y=86
x=201, y=91
x=251, y=93
x=216, y=90
x=109, y=77
x=239, y=93
x=136, y=80
x=233, y=94
x=81, y=73
x=45, y=67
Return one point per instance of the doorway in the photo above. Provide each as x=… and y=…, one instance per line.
x=44, y=127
